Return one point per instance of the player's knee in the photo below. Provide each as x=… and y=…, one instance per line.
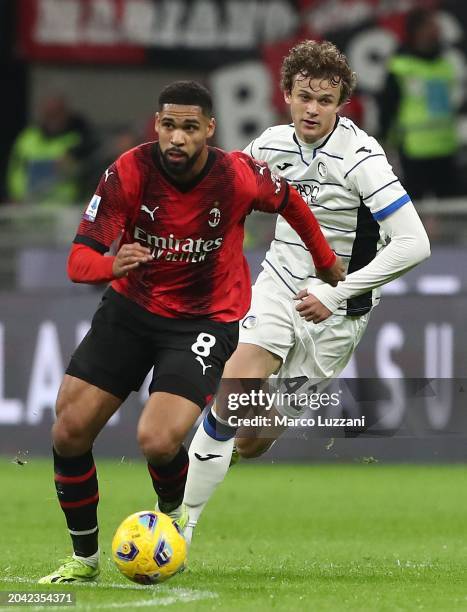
x=69, y=434
x=158, y=448
x=250, y=448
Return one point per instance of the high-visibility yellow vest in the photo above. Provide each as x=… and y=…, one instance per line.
x=425, y=123
x=35, y=172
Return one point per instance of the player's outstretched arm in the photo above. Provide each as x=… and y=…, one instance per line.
x=408, y=247
x=275, y=196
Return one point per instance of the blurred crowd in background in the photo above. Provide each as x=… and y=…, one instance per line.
x=53, y=152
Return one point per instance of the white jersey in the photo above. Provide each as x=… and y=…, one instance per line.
x=349, y=185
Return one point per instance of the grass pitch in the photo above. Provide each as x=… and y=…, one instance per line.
x=275, y=537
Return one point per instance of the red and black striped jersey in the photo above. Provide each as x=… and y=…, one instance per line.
x=194, y=230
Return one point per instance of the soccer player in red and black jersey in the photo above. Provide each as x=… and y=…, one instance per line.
x=180, y=284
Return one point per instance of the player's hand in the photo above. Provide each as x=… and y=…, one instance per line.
x=129, y=257
x=310, y=308
x=334, y=274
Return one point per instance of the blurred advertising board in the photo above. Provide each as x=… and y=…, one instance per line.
x=409, y=376
x=212, y=31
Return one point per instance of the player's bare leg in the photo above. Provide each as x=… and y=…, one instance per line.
x=211, y=448
x=162, y=428
x=254, y=442
x=82, y=411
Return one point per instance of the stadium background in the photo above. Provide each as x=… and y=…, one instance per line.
x=110, y=58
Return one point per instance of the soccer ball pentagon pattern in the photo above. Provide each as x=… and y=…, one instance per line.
x=148, y=548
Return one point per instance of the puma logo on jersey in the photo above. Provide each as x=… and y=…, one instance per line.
x=203, y=365
x=107, y=174
x=363, y=150
x=206, y=457
x=261, y=169
x=284, y=166
x=145, y=209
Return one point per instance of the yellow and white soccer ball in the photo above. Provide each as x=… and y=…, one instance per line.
x=148, y=548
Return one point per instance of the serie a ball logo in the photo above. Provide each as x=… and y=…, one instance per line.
x=148, y=548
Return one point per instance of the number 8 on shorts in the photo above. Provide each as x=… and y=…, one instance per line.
x=204, y=343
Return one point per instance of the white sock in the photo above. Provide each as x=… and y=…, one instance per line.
x=205, y=473
x=92, y=560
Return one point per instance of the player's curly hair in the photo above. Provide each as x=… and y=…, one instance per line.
x=318, y=60
x=187, y=92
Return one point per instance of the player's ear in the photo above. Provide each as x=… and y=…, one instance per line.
x=288, y=96
x=341, y=105
x=211, y=128
x=157, y=122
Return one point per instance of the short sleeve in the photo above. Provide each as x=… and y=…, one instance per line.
x=272, y=191
x=251, y=149
x=107, y=213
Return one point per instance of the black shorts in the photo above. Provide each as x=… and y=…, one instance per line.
x=125, y=341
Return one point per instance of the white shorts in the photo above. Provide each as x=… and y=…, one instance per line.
x=318, y=351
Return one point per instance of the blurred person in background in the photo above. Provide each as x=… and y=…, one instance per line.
x=121, y=139
x=417, y=112
x=49, y=157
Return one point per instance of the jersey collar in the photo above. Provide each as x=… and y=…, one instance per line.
x=183, y=187
x=319, y=144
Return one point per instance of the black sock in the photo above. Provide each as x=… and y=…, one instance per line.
x=169, y=480
x=78, y=495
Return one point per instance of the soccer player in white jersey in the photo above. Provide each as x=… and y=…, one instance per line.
x=359, y=202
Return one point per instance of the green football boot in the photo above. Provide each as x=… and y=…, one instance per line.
x=71, y=570
x=179, y=516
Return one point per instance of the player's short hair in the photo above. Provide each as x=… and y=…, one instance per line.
x=190, y=93
x=318, y=60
